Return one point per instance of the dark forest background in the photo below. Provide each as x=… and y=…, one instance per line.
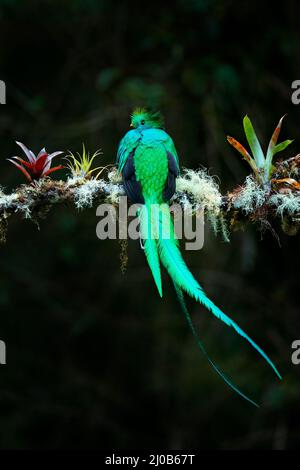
x=95, y=359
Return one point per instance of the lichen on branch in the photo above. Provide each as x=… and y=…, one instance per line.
x=196, y=189
x=270, y=194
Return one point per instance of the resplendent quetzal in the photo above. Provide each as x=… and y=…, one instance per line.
x=149, y=164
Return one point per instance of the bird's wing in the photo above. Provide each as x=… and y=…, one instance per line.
x=132, y=187
x=127, y=145
x=171, y=149
x=170, y=186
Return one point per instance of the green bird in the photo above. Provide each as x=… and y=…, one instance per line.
x=149, y=164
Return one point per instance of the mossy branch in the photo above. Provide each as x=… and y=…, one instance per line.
x=248, y=203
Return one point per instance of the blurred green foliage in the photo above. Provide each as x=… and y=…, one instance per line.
x=95, y=358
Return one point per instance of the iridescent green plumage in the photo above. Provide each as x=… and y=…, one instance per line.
x=153, y=122
x=149, y=163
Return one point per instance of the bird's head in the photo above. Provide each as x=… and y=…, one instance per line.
x=142, y=118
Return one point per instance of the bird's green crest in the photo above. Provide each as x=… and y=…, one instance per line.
x=147, y=118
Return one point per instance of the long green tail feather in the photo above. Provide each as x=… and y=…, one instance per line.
x=172, y=260
x=202, y=348
x=147, y=230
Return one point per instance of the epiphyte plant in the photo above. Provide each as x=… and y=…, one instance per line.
x=261, y=164
x=81, y=165
x=37, y=166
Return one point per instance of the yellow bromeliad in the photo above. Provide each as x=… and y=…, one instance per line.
x=81, y=165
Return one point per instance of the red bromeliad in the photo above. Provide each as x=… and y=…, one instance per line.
x=37, y=166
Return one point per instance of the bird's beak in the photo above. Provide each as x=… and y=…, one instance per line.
x=131, y=125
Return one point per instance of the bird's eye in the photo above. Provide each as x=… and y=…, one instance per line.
x=142, y=122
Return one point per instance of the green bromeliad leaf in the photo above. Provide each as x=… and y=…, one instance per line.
x=241, y=149
x=283, y=145
x=274, y=148
x=253, y=143
x=273, y=141
x=261, y=166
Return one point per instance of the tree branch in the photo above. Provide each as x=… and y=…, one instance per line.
x=248, y=203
